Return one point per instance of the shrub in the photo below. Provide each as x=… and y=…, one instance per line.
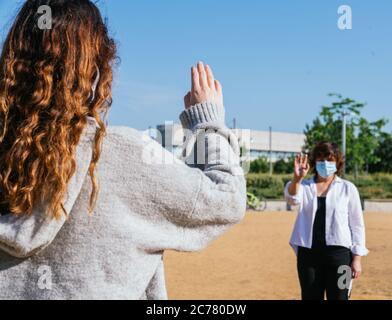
x=375, y=186
x=259, y=165
x=263, y=185
x=283, y=166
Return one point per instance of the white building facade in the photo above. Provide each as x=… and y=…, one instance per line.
x=277, y=145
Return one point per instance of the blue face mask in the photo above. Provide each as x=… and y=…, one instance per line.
x=326, y=168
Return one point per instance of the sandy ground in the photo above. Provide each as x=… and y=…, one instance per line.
x=254, y=261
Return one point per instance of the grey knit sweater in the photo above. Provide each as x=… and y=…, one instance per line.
x=148, y=202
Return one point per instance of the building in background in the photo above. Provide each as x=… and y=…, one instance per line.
x=282, y=145
x=277, y=145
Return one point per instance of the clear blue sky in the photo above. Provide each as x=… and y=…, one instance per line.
x=277, y=60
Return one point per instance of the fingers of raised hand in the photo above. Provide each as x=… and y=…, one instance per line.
x=302, y=159
x=306, y=164
x=202, y=75
x=210, y=77
x=204, y=86
x=218, y=87
x=297, y=160
x=301, y=165
x=195, y=80
x=305, y=160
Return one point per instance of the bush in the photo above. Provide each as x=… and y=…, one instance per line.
x=262, y=185
x=375, y=186
x=283, y=166
x=259, y=165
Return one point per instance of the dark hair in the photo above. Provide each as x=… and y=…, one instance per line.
x=327, y=150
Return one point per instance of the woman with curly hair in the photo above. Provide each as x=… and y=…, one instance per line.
x=88, y=211
x=329, y=234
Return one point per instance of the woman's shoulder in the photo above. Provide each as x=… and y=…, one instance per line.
x=121, y=133
x=348, y=184
x=124, y=132
x=127, y=136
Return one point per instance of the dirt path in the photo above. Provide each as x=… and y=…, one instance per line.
x=254, y=261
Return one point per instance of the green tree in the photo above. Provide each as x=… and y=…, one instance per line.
x=368, y=142
x=383, y=152
x=284, y=166
x=259, y=165
x=362, y=138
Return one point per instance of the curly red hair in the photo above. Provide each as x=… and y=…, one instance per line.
x=46, y=81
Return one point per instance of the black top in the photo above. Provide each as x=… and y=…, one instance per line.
x=319, y=244
x=319, y=224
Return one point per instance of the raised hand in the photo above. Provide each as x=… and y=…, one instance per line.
x=204, y=87
x=301, y=167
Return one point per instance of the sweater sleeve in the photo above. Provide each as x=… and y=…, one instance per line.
x=185, y=206
x=24, y=236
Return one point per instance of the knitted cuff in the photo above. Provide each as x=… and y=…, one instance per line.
x=203, y=113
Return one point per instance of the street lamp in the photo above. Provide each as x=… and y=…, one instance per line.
x=345, y=114
x=271, y=169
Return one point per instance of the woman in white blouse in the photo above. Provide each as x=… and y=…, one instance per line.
x=329, y=233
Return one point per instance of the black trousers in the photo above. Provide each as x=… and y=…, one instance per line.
x=318, y=272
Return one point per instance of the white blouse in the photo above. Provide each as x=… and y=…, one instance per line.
x=344, y=216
